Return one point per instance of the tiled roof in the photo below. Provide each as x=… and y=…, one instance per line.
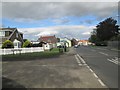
x=48, y=39
x=84, y=41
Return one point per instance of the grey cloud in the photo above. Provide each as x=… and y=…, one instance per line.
x=44, y=10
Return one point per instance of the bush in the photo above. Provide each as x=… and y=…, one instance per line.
x=7, y=44
x=101, y=43
x=27, y=44
x=115, y=38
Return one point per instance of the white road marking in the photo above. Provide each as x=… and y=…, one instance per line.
x=91, y=70
x=101, y=49
x=88, y=67
x=101, y=82
x=81, y=59
x=114, y=61
x=79, y=64
x=85, y=64
x=103, y=53
x=78, y=61
x=95, y=75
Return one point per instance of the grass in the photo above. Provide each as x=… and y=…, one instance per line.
x=31, y=56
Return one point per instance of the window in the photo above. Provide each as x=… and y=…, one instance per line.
x=7, y=33
x=15, y=44
x=2, y=33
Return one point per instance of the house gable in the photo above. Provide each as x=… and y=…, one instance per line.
x=15, y=35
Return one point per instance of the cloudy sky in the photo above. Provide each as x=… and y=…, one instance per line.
x=63, y=19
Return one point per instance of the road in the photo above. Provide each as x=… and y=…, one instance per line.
x=64, y=71
x=103, y=62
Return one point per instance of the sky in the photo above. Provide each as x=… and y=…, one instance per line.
x=63, y=19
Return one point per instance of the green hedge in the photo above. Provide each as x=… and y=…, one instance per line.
x=27, y=44
x=7, y=44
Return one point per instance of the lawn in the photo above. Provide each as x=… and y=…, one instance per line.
x=31, y=56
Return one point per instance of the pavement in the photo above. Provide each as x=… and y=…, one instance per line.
x=66, y=71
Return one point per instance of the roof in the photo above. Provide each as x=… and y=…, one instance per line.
x=12, y=29
x=84, y=41
x=7, y=28
x=10, y=35
x=49, y=39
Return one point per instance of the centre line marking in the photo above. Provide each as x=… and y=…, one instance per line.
x=103, y=53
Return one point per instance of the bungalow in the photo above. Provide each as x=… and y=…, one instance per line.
x=49, y=41
x=13, y=35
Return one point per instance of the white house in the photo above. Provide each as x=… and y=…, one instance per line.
x=64, y=41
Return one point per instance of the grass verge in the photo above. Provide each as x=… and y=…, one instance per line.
x=32, y=56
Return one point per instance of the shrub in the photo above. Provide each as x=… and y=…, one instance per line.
x=115, y=38
x=27, y=44
x=101, y=43
x=7, y=44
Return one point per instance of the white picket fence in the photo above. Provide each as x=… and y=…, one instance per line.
x=21, y=50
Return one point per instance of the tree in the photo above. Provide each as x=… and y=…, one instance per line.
x=27, y=44
x=93, y=38
x=7, y=44
x=107, y=29
x=24, y=40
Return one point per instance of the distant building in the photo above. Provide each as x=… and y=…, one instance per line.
x=64, y=42
x=51, y=41
x=13, y=35
x=84, y=42
x=74, y=42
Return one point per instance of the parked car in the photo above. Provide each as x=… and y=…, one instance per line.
x=75, y=46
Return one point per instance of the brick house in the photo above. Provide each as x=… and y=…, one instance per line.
x=13, y=35
x=51, y=41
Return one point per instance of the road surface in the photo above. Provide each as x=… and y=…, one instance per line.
x=103, y=62
x=65, y=71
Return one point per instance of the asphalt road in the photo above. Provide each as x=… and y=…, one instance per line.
x=64, y=71
x=103, y=62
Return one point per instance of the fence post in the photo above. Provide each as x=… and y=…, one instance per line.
x=24, y=50
x=31, y=50
x=4, y=51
